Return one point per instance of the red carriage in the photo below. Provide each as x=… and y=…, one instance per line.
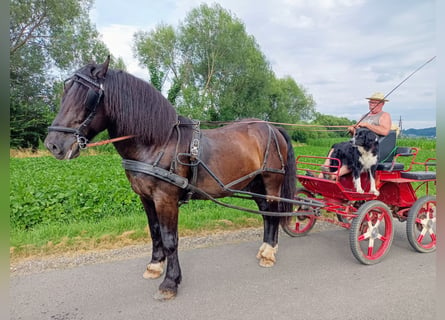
x=369, y=217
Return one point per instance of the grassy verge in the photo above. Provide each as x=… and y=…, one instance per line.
x=196, y=218
x=62, y=206
x=59, y=206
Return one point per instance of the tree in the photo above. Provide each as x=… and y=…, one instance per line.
x=289, y=102
x=224, y=64
x=158, y=51
x=216, y=71
x=329, y=120
x=48, y=40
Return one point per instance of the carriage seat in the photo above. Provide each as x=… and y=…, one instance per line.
x=387, y=151
x=419, y=175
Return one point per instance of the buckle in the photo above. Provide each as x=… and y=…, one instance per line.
x=81, y=140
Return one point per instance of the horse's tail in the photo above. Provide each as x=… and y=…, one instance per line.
x=289, y=186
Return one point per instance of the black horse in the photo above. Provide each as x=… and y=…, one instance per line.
x=169, y=160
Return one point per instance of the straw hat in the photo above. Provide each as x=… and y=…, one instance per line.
x=377, y=96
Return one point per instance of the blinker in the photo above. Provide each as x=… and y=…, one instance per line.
x=91, y=99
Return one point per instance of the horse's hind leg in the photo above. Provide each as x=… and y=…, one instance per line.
x=267, y=251
x=156, y=266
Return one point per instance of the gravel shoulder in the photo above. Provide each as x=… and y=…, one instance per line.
x=53, y=262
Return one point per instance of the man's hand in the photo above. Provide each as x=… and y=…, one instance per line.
x=351, y=130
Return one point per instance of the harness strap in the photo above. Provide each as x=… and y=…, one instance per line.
x=94, y=100
x=62, y=129
x=156, y=172
x=272, y=133
x=195, y=151
x=182, y=183
x=195, y=162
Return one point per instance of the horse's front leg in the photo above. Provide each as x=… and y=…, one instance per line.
x=156, y=266
x=267, y=251
x=167, y=213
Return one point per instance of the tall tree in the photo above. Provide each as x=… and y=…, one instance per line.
x=48, y=38
x=157, y=50
x=216, y=71
x=289, y=102
x=224, y=64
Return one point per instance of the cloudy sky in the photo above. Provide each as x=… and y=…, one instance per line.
x=340, y=51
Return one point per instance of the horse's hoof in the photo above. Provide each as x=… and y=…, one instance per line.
x=154, y=270
x=261, y=250
x=266, y=263
x=164, y=295
x=266, y=255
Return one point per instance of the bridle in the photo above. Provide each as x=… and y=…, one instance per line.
x=92, y=100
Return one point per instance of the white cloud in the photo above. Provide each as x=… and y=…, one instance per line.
x=340, y=51
x=119, y=39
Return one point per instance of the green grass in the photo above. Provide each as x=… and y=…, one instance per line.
x=88, y=203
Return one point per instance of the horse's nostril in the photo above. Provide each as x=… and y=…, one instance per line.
x=53, y=148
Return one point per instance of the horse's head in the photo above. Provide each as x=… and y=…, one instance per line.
x=81, y=115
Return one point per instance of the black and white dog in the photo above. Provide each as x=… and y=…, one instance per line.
x=358, y=155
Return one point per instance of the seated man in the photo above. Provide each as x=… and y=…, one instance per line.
x=375, y=120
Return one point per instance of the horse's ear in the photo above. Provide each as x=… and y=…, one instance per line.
x=101, y=71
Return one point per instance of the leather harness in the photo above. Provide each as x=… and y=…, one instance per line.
x=95, y=94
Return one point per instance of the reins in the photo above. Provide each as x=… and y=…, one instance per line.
x=103, y=142
x=219, y=123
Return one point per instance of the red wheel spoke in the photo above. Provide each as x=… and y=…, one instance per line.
x=420, y=238
x=379, y=219
x=370, y=247
x=362, y=237
x=433, y=236
x=366, y=234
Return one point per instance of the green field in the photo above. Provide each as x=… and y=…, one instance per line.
x=88, y=203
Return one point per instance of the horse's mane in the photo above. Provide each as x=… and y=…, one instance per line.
x=137, y=108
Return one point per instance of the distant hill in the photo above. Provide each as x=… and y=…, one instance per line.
x=426, y=132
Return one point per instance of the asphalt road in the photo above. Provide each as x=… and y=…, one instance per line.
x=316, y=277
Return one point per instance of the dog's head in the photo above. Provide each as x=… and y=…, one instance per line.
x=365, y=138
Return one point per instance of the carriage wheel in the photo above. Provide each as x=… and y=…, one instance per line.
x=371, y=232
x=297, y=226
x=421, y=224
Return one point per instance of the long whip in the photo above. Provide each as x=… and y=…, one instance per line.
x=386, y=95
